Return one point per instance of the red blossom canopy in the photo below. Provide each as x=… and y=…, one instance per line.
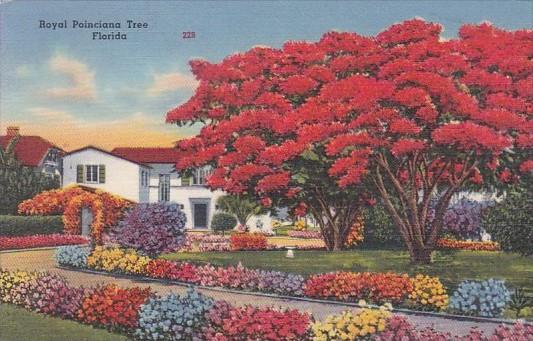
x=405, y=91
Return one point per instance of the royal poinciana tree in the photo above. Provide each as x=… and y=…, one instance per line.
x=416, y=117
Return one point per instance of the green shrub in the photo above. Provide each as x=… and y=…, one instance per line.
x=510, y=222
x=27, y=225
x=379, y=228
x=223, y=222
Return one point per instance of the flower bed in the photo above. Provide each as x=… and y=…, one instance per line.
x=350, y=286
x=214, y=243
x=248, y=241
x=251, y=323
x=419, y=292
x=41, y=240
x=350, y=326
x=143, y=315
x=205, y=242
x=445, y=243
x=423, y=292
x=305, y=234
x=113, y=307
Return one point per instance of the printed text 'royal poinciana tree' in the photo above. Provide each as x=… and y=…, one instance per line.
x=417, y=117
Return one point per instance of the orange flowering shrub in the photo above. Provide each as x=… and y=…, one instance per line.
x=445, y=243
x=355, y=236
x=353, y=286
x=113, y=307
x=107, y=209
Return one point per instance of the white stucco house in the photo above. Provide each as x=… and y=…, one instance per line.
x=147, y=175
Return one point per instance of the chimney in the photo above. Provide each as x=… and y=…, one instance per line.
x=13, y=131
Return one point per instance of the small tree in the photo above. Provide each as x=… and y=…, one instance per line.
x=17, y=182
x=222, y=222
x=241, y=207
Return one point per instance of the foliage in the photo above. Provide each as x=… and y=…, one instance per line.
x=428, y=293
x=117, y=260
x=223, y=222
x=18, y=182
x=173, y=317
x=463, y=218
x=10, y=281
x=379, y=227
x=240, y=206
x=151, y=228
x=300, y=225
x=106, y=208
x=519, y=300
x=46, y=240
x=72, y=255
x=510, y=222
x=311, y=125
x=482, y=298
x=444, y=243
x=350, y=326
x=113, y=307
x=11, y=225
x=52, y=295
x=224, y=322
x=351, y=286
x=248, y=241
x=304, y=234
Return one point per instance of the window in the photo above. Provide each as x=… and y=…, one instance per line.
x=200, y=175
x=164, y=187
x=144, y=178
x=91, y=174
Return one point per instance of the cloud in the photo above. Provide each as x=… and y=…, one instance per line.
x=23, y=71
x=167, y=82
x=70, y=132
x=81, y=78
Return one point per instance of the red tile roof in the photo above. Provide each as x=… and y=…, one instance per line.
x=148, y=155
x=29, y=150
x=108, y=153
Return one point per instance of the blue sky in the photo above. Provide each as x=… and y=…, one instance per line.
x=65, y=86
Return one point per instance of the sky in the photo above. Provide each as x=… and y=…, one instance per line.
x=75, y=91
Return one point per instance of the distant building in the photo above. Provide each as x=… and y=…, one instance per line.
x=34, y=151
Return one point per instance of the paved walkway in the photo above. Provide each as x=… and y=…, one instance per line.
x=42, y=260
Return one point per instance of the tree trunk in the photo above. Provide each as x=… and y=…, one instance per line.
x=335, y=229
x=421, y=256
x=338, y=240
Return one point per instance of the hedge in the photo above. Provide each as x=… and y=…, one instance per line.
x=11, y=225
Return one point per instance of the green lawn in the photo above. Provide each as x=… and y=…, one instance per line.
x=18, y=324
x=451, y=266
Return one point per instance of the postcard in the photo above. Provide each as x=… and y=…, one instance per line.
x=266, y=170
